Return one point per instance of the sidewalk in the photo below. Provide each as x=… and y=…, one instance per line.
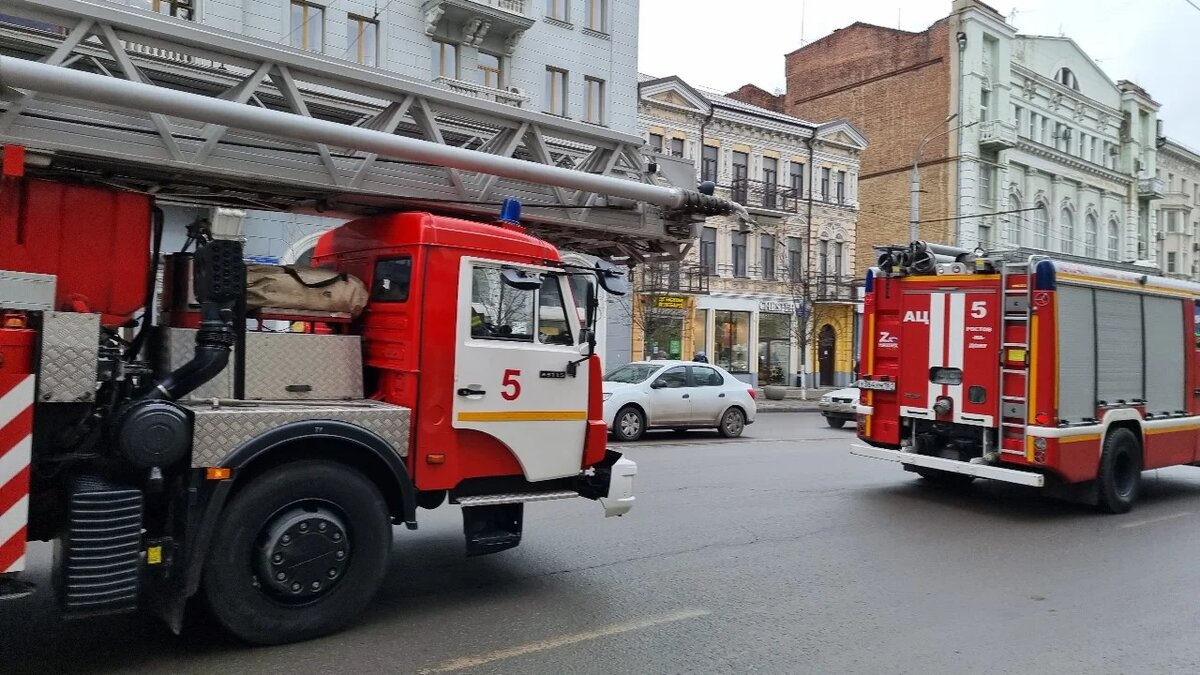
x=792, y=401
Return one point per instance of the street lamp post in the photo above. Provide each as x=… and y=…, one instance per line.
x=914, y=183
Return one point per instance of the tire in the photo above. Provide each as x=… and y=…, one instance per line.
x=944, y=478
x=733, y=423
x=1119, y=479
x=629, y=424
x=835, y=422
x=285, y=507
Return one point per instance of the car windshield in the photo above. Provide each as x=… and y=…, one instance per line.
x=632, y=373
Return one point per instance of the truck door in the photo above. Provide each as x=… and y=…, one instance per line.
x=515, y=339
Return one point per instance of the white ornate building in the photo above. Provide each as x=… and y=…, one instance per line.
x=1179, y=210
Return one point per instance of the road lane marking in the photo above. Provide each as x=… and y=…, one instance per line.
x=466, y=662
x=1148, y=521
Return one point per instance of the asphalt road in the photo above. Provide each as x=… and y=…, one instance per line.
x=777, y=553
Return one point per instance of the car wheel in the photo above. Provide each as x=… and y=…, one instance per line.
x=835, y=422
x=303, y=548
x=733, y=423
x=1120, y=476
x=631, y=424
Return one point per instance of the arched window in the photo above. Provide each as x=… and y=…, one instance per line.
x=1114, y=240
x=1014, y=220
x=1089, y=235
x=1066, y=240
x=1065, y=77
x=1041, y=226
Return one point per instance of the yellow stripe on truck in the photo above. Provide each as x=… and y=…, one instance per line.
x=523, y=416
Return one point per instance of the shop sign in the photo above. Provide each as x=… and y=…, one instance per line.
x=670, y=302
x=777, y=306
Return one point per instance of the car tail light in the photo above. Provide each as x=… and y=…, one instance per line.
x=753, y=394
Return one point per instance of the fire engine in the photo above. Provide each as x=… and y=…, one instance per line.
x=1028, y=369
x=178, y=448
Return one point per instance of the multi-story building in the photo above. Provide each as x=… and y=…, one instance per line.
x=1179, y=210
x=1040, y=136
x=767, y=300
x=571, y=59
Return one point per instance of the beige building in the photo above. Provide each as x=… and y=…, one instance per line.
x=767, y=300
x=1179, y=210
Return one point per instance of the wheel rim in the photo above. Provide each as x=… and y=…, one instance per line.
x=303, y=551
x=631, y=424
x=1123, y=474
x=733, y=422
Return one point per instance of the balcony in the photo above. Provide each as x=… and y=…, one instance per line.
x=833, y=288
x=1151, y=188
x=672, y=277
x=760, y=195
x=516, y=98
x=997, y=135
x=499, y=23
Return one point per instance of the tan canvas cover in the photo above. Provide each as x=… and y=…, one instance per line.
x=304, y=288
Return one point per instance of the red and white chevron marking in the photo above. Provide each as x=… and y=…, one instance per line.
x=16, y=446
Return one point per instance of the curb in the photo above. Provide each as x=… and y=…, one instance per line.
x=789, y=410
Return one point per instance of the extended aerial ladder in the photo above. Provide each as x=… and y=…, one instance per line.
x=205, y=116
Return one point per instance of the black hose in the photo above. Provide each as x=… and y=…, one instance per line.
x=135, y=347
x=213, y=343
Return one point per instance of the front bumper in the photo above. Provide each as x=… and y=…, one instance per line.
x=951, y=465
x=845, y=410
x=611, y=483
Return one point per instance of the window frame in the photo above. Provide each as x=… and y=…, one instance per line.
x=708, y=165
x=766, y=254
x=695, y=381
x=708, y=251
x=687, y=378
x=559, y=10
x=375, y=293
x=441, y=47
x=554, y=78
x=735, y=247
x=597, y=97
x=305, y=8
x=596, y=18
x=360, y=23
x=487, y=72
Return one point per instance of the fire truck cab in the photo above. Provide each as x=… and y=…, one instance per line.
x=1028, y=369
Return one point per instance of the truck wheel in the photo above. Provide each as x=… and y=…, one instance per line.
x=733, y=423
x=631, y=424
x=946, y=478
x=300, y=552
x=1120, y=476
x=835, y=422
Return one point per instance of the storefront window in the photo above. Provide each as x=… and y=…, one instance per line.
x=732, y=343
x=700, y=334
x=774, y=348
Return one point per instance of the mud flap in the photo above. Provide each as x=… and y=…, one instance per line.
x=493, y=528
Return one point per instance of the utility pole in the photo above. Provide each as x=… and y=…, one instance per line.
x=914, y=183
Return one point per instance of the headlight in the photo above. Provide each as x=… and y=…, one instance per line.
x=826, y=399
x=607, y=395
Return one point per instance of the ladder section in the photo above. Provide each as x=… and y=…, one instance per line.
x=583, y=185
x=1014, y=356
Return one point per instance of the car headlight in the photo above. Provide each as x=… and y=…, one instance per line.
x=607, y=395
x=826, y=399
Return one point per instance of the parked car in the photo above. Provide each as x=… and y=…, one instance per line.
x=675, y=395
x=839, y=406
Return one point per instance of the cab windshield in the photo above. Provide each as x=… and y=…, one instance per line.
x=632, y=373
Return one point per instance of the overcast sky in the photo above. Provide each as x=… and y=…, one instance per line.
x=724, y=44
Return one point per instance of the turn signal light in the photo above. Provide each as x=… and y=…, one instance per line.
x=218, y=473
x=1042, y=419
x=435, y=458
x=13, y=320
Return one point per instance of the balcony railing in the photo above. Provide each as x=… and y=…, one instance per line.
x=475, y=90
x=998, y=134
x=759, y=194
x=672, y=277
x=833, y=288
x=1151, y=188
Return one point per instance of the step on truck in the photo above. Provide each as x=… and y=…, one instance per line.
x=1030, y=369
x=185, y=427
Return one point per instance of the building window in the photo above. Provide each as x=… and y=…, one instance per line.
x=795, y=270
x=1114, y=240
x=556, y=92
x=677, y=147
x=825, y=173
x=488, y=70
x=558, y=9
x=1090, y=234
x=1016, y=116
x=308, y=26
x=741, y=172
x=738, y=248
x=708, y=163
x=656, y=142
x=841, y=187
x=770, y=178
x=362, y=36
x=1044, y=131
x=823, y=259
x=985, y=236
x=839, y=258
x=597, y=15
x=1033, y=126
x=1067, y=243
x=181, y=9
x=1065, y=77
x=595, y=100
x=986, y=173
x=700, y=332
x=1171, y=262
x=708, y=250
x=1172, y=221
x=1014, y=220
x=766, y=252
x=985, y=100
x=774, y=347
x=445, y=60
x=732, y=340
x=797, y=179
x=1041, y=227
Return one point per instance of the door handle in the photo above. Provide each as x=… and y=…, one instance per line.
x=466, y=391
x=721, y=395
x=687, y=395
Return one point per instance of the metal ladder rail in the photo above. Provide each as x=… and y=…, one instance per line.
x=1008, y=319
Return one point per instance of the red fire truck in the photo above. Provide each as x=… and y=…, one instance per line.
x=179, y=448
x=1028, y=369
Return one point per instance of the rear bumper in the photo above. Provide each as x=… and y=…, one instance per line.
x=951, y=465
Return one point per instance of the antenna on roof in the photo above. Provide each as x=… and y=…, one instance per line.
x=801, y=23
x=899, y=14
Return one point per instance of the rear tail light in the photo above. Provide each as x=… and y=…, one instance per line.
x=753, y=394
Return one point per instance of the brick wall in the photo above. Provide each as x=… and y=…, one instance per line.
x=894, y=86
x=748, y=93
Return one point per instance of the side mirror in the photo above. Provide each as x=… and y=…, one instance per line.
x=658, y=384
x=520, y=279
x=611, y=279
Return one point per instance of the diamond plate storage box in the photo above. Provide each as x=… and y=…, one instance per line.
x=280, y=366
x=70, y=355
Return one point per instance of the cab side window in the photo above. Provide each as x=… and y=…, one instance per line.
x=674, y=378
x=553, y=327
x=391, y=280
x=499, y=311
